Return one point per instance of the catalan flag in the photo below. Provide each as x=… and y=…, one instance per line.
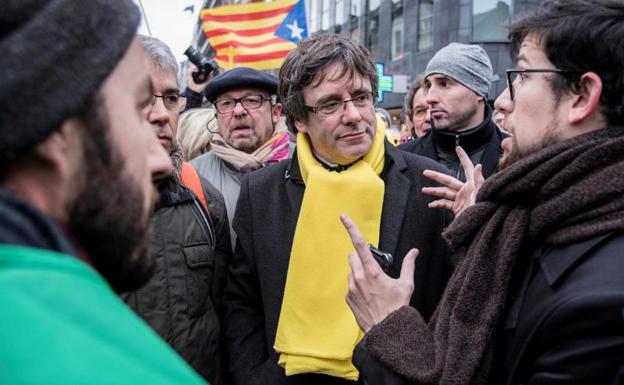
x=257, y=35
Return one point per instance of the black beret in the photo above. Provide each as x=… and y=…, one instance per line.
x=55, y=55
x=240, y=77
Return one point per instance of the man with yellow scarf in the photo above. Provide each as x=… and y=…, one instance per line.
x=286, y=319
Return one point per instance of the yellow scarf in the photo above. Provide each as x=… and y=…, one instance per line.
x=317, y=332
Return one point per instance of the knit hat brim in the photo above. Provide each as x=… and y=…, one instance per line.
x=468, y=64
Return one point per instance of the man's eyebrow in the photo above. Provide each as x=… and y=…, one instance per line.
x=337, y=97
x=171, y=90
x=520, y=57
x=329, y=98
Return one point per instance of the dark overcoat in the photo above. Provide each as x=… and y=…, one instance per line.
x=265, y=221
x=565, y=319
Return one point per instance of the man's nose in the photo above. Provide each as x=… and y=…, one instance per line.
x=158, y=161
x=431, y=97
x=239, y=109
x=350, y=113
x=158, y=113
x=503, y=102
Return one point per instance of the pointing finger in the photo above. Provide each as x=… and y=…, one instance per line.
x=440, y=192
x=358, y=241
x=408, y=266
x=443, y=179
x=465, y=162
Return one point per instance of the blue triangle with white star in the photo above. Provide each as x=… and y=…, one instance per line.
x=294, y=26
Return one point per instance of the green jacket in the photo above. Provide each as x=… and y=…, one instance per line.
x=60, y=323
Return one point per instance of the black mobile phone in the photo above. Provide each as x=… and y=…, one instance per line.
x=384, y=259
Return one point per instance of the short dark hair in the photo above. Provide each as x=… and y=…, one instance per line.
x=310, y=58
x=408, y=103
x=580, y=36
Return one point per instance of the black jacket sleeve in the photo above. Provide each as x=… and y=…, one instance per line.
x=193, y=99
x=223, y=247
x=243, y=311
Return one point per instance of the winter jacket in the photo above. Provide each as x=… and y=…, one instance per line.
x=192, y=250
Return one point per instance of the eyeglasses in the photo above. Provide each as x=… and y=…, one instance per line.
x=250, y=102
x=419, y=112
x=360, y=101
x=173, y=101
x=514, y=75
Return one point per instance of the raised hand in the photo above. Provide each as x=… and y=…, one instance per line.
x=455, y=195
x=372, y=294
x=190, y=83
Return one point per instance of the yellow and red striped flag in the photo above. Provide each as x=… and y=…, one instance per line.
x=257, y=35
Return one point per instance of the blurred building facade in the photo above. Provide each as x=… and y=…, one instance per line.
x=403, y=35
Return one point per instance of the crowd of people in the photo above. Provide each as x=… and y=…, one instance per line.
x=261, y=229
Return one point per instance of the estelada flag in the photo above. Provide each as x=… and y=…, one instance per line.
x=257, y=35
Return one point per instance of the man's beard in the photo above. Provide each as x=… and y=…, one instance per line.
x=107, y=213
x=244, y=145
x=458, y=123
x=515, y=153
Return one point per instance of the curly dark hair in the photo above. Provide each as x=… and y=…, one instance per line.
x=580, y=36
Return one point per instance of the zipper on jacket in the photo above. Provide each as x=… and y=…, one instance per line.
x=205, y=223
x=456, y=140
x=139, y=308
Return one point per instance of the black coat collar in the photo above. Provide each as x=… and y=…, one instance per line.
x=471, y=140
x=23, y=224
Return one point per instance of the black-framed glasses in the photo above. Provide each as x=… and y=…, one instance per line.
x=173, y=101
x=365, y=99
x=249, y=102
x=513, y=75
x=419, y=112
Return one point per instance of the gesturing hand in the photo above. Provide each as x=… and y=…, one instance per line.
x=372, y=294
x=456, y=195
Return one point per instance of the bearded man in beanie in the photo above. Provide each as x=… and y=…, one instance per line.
x=456, y=85
x=538, y=296
x=76, y=194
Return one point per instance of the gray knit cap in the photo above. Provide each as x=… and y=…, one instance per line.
x=469, y=64
x=54, y=55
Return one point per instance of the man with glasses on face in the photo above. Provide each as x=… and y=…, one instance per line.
x=247, y=115
x=286, y=319
x=538, y=297
x=418, y=109
x=189, y=241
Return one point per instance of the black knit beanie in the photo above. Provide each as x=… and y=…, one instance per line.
x=54, y=55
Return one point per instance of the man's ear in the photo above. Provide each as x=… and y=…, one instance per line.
x=61, y=149
x=586, y=100
x=277, y=112
x=300, y=126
